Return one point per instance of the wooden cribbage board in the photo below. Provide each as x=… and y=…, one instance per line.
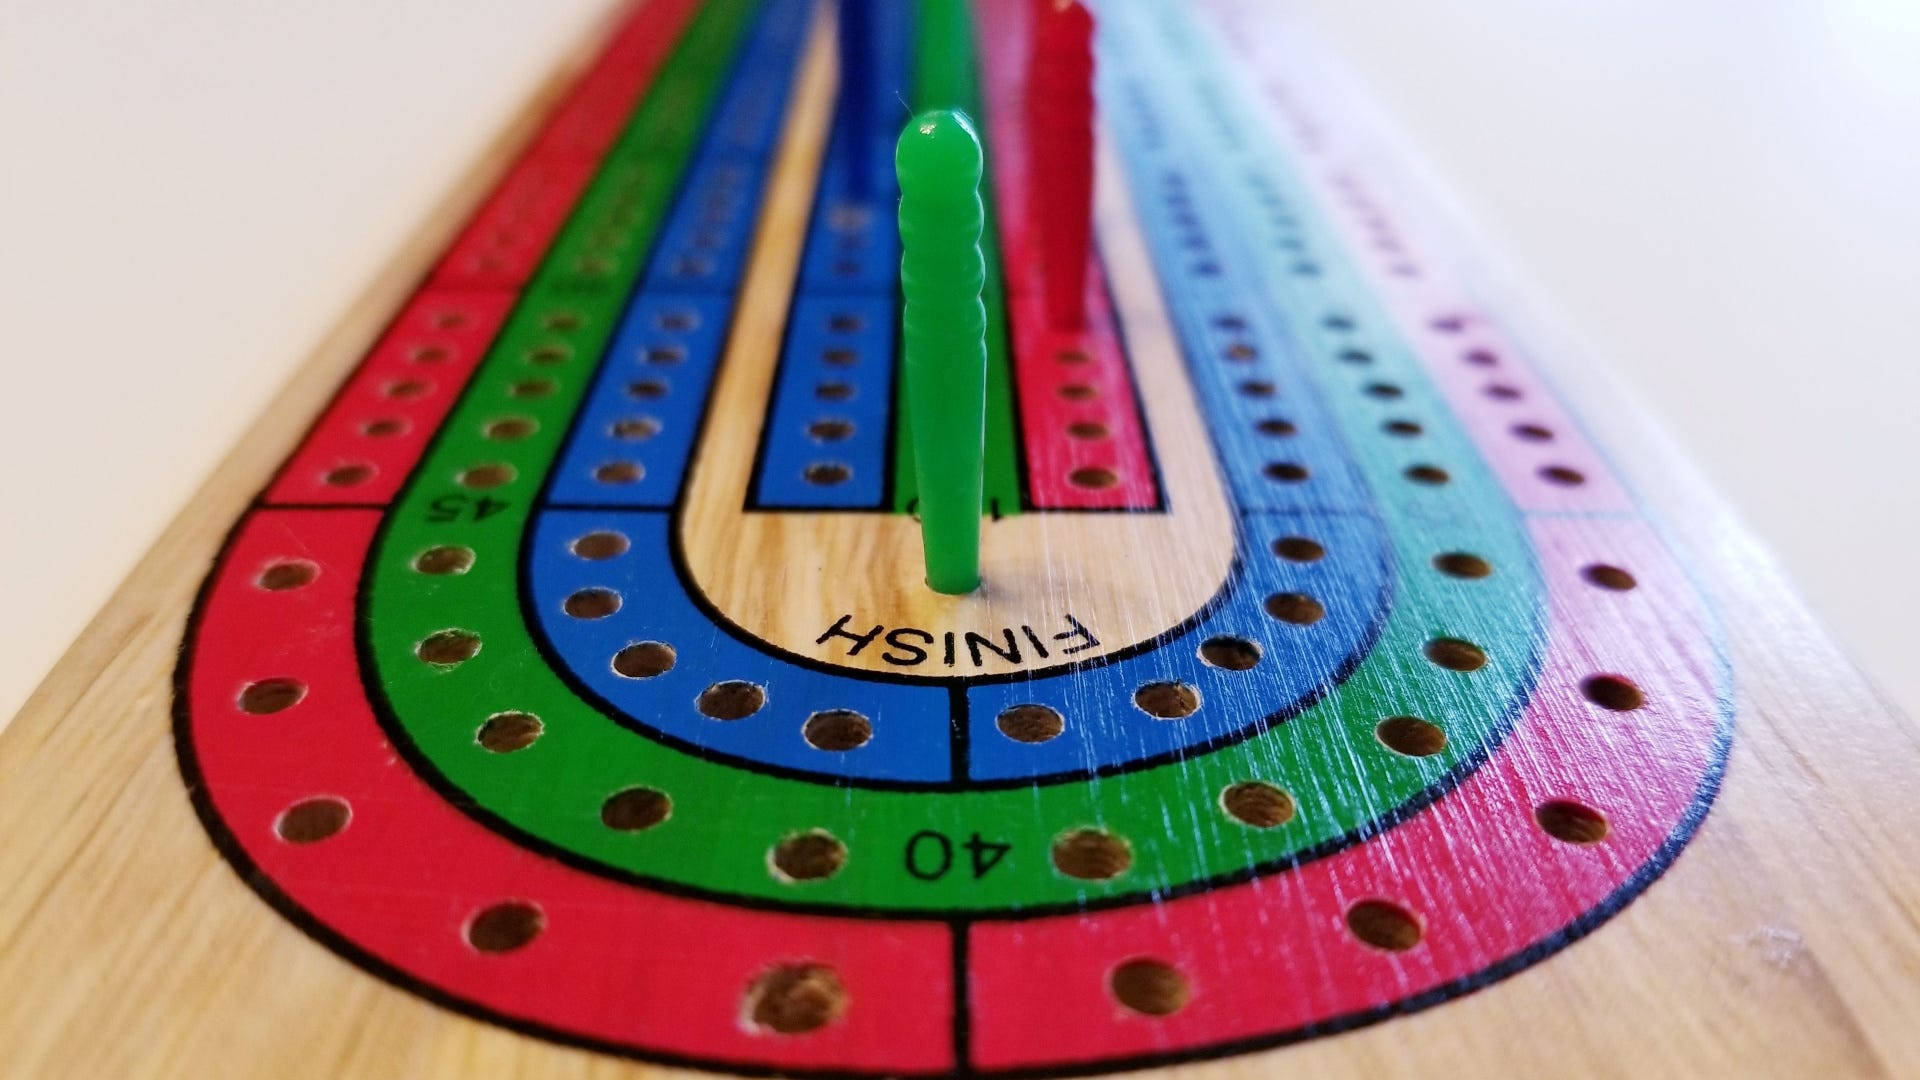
x=545, y=685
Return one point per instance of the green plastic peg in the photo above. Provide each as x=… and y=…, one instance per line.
x=943, y=329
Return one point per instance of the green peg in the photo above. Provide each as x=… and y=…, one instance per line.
x=943, y=59
x=943, y=331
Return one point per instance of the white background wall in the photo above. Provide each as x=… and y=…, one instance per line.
x=1721, y=196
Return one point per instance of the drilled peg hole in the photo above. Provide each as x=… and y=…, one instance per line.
x=1299, y=549
x=505, y=927
x=830, y=430
x=487, y=477
x=1608, y=577
x=508, y=428
x=1298, y=609
x=1384, y=925
x=827, y=473
x=1087, y=429
x=591, y=603
x=1410, y=736
x=1275, y=427
x=1030, y=723
x=600, y=546
x=1167, y=700
x=448, y=647
x=271, y=696
x=1456, y=655
x=312, y=820
x=794, y=999
x=1091, y=855
x=1258, y=804
x=506, y=732
x=1230, y=653
x=1430, y=475
x=290, y=574
x=549, y=354
x=635, y=809
x=643, y=660
x=348, y=475
x=1571, y=822
x=1563, y=476
x=1149, y=987
x=444, y=559
x=619, y=472
x=731, y=699
x=837, y=730
x=1461, y=564
x=635, y=428
x=1613, y=692
x=1093, y=478
x=808, y=856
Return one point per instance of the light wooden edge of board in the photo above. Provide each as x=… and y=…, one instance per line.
x=1784, y=941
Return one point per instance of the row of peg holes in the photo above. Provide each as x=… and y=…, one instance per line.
x=1613, y=692
x=1381, y=923
x=1422, y=473
x=1564, y=819
x=641, y=427
x=612, y=228
x=355, y=473
x=1087, y=428
x=1373, y=221
x=833, y=429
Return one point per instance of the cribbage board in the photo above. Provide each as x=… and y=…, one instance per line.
x=548, y=684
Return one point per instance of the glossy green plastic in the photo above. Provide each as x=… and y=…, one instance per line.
x=944, y=336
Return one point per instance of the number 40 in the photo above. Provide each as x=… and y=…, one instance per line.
x=930, y=854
